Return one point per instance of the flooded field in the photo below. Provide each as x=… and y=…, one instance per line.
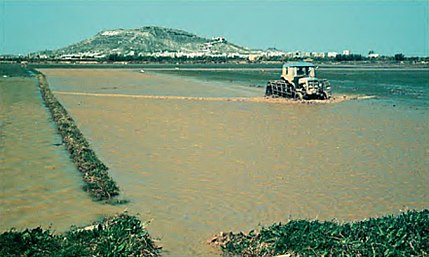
x=39, y=184
x=408, y=87
x=199, y=167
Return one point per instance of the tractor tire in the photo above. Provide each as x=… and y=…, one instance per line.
x=269, y=90
x=298, y=96
x=325, y=95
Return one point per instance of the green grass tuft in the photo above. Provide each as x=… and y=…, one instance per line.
x=404, y=235
x=122, y=235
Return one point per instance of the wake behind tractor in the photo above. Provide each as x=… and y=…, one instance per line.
x=298, y=81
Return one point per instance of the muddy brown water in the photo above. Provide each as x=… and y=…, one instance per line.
x=195, y=168
x=39, y=184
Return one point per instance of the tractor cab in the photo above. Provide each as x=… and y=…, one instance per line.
x=293, y=71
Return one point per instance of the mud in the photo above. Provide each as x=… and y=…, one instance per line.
x=249, y=99
x=197, y=167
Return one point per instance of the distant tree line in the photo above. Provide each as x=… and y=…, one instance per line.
x=169, y=59
x=345, y=58
x=397, y=58
x=348, y=57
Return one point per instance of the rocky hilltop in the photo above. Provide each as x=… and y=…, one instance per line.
x=149, y=40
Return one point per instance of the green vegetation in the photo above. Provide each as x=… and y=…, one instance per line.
x=97, y=180
x=118, y=60
x=399, y=57
x=404, y=235
x=122, y=235
x=347, y=58
x=112, y=58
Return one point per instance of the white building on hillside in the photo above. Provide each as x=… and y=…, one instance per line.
x=218, y=39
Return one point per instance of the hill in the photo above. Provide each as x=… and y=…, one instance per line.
x=149, y=40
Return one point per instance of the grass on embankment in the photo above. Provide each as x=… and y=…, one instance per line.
x=122, y=235
x=404, y=235
x=98, y=183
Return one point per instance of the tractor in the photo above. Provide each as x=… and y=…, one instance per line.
x=298, y=81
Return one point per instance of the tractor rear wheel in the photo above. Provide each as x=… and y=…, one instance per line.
x=269, y=89
x=325, y=95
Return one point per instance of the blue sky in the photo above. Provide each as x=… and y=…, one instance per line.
x=387, y=27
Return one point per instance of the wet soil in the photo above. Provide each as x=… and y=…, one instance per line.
x=197, y=167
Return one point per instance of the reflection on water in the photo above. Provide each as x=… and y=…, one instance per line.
x=196, y=168
x=39, y=184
